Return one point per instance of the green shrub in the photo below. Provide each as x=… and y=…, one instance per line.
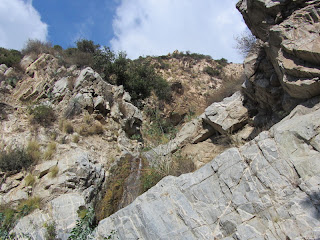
x=84, y=226
x=223, y=62
x=214, y=72
x=15, y=160
x=87, y=46
x=51, y=232
x=10, y=57
x=42, y=114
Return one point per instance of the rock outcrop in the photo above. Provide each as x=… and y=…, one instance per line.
x=267, y=189
x=289, y=53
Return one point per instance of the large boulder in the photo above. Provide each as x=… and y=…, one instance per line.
x=227, y=116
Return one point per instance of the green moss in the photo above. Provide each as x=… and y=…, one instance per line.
x=113, y=194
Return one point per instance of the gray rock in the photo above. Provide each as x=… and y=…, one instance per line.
x=61, y=211
x=290, y=33
x=266, y=188
x=227, y=116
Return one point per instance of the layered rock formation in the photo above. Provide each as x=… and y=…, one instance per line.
x=288, y=53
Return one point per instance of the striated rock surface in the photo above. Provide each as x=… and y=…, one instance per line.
x=267, y=189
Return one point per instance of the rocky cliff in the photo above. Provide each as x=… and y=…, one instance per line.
x=252, y=182
x=268, y=188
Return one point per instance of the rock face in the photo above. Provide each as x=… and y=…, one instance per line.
x=289, y=34
x=267, y=189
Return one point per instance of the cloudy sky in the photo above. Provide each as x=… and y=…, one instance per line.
x=139, y=27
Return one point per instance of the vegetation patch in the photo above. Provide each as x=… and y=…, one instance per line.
x=51, y=232
x=30, y=180
x=53, y=172
x=51, y=149
x=84, y=225
x=10, y=57
x=113, y=194
x=42, y=114
x=15, y=160
x=171, y=165
x=10, y=215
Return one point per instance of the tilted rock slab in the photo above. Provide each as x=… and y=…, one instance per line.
x=267, y=189
x=227, y=116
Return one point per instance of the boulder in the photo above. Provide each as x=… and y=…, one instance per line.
x=227, y=116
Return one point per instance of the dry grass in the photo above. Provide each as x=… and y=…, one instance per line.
x=51, y=149
x=30, y=180
x=33, y=150
x=66, y=126
x=228, y=87
x=75, y=138
x=53, y=171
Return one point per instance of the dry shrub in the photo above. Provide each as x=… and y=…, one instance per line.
x=33, y=150
x=51, y=149
x=36, y=47
x=228, y=87
x=29, y=180
x=53, y=172
x=42, y=114
x=75, y=138
x=67, y=127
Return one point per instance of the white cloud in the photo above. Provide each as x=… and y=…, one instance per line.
x=153, y=27
x=19, y=21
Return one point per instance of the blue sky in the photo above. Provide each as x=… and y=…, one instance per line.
x=139, y=27
x=70, y=20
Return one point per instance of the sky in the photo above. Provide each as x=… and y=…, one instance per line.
x=138, y=27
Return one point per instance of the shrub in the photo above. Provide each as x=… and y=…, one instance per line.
x=36, y=47
x=245, y=42
x=25, y=207
x=67, y=127
x=75, y=138
x=10, y=215
x=223, y=62
x=10, y=57
x=51, y=233
x=211, y=71
x=42, y=114
x=84, y=226
x=87, y=46
x=29, y=180
x=53, y=172
x=33, y=150
x=113, y=194
x=51, y=149
x=15, y=160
